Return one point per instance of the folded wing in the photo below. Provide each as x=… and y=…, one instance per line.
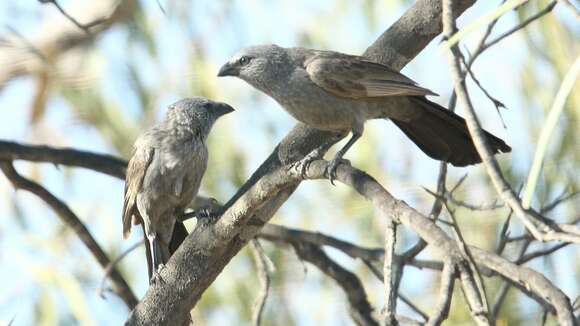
x=355, y=77
x=140, y=161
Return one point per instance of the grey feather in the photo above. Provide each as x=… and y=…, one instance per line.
x=339, y=92
x=166, y=169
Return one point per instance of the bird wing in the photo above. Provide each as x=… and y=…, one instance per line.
x=355, y=77
x=140, y=161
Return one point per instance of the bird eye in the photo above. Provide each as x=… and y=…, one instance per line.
x=244, y=60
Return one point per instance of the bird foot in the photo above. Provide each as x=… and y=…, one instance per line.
x=333, y=165
x=207, y=216
x=156, y=277
x=302, y=165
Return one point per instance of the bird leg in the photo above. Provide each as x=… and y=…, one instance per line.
x=317, y=153
x=337, y=159
x=153, y=245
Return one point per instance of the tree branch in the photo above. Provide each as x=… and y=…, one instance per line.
x=359, y=308
x=103, y=163
x=390, y=268
x=261, y=261
x=69, y=218
x=537, y=226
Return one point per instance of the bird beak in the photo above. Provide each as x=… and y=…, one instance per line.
x=228, y=70
x=223, y=108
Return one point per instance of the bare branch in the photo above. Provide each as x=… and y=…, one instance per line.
x=448, y=276
x=275, y=232
x=528, y=281
x=504, y=234
x=110, y=267
x=520, y=26
x=390, y=274
x=537, y=226
x=572, y=8
x=68, y=217
x=84, y=27
x=541, y=253
x=359, y=308
x=103, y=163
x=475, y=281
x=261, y=261
x=448, y=197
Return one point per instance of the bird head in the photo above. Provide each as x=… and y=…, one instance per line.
x=261, y=66
x=197, y=113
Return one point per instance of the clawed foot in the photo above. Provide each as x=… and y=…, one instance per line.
x=156, y=277
x=207, y=216
x=302, y=165
x=332, y=166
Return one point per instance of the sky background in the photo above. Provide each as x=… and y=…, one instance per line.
x=44, y=268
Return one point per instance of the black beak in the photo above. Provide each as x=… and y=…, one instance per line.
x=223, y=108
x=228, y=70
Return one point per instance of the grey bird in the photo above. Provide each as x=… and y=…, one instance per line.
x=339, y=92
x=165, y=172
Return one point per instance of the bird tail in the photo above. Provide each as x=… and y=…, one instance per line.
x=179, y=234
x=443, y=135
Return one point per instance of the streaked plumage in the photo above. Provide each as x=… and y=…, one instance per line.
x=165, y=172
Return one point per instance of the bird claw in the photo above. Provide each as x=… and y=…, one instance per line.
x=156, y=276
x=332, y=166
x=207, y=216
x=302, y=165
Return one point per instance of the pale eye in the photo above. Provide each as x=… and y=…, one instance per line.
x=244, y=60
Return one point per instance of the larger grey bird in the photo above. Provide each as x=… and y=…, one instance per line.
x=339, y=92
x=165, y=172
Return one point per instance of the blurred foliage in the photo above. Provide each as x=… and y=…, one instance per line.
x=118, y=86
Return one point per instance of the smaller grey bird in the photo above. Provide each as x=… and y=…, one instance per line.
x=339, y=92
x=165, y=172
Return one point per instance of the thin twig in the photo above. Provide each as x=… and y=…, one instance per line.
x=276, y=232
x=478, y=280
x=448, y=197
x=540, y=253
x=84, y=27
x=502, y=293
x=536, y=225
x=497, y=103
x=261, y=261
x=160, y=6
x=572, y=8
x=379, y=275
x=556, y=202
x=521, y=25
x=359, y=308
x=110, y=267
x=68, y=217
x=504, y=234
